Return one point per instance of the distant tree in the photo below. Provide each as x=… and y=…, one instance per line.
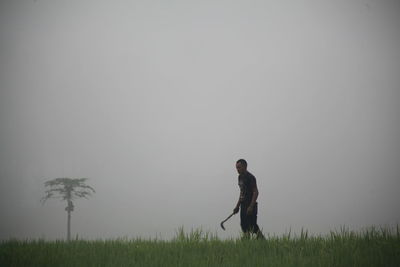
x=67, y=189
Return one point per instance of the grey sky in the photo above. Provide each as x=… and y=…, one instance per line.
x=154, y=101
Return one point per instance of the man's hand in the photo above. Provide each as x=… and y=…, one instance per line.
x=236, y=210
x=250, y=210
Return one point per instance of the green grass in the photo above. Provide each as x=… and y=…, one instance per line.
x=372, y=247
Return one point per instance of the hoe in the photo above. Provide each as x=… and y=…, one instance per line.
x=222, y=223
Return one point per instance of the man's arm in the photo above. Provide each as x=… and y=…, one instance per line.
x=255, y=195
x=236, y=209
x=253, y=200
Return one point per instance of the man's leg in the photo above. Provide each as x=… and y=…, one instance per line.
x=253, y=223
x=244, y=220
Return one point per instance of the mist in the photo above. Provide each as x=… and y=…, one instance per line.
x=154, y=101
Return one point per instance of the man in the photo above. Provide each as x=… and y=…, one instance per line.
x=247, y=200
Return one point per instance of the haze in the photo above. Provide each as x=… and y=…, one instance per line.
x=154, y=101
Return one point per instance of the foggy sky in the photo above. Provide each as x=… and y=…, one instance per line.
x=154, y=101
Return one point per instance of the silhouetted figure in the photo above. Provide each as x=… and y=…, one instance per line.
x=247, y=202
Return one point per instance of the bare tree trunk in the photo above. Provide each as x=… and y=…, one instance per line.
x=69, y=226
x=69, y=209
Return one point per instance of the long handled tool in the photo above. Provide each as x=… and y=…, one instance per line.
x=222, y=223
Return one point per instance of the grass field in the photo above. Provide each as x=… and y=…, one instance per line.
x=372, y=247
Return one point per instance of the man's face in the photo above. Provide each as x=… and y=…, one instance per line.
x=240, y=168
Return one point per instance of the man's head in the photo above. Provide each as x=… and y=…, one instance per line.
x=241, y=166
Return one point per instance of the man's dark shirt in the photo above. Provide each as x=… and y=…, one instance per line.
x=247, y=184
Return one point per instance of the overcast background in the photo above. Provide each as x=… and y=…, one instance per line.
x=154, y=101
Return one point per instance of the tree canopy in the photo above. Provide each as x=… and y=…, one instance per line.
x=67, y=189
